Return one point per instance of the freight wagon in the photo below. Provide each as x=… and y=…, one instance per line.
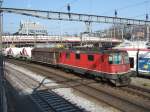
x=46, y=55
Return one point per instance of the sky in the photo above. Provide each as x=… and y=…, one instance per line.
x=125, y=8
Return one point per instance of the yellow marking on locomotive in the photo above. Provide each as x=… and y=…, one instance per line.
x=145, y=67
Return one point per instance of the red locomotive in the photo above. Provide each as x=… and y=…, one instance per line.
x=107, y=64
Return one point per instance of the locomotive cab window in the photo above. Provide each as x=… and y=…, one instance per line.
x=67, y=55
x=90, y=57
x=126, y=58
x=78, y=56
x=115, y=58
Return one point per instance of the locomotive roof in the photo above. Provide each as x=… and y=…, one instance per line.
x=96, y=50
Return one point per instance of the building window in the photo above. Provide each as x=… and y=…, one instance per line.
x=67, y=55
x=90, y=57
x=77, y=56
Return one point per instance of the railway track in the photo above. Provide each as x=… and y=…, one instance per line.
x=46, y=100
x=138, y=91
x=125, y=99
x=50, y=101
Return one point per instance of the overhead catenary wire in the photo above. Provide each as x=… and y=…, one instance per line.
x=134, y=5
x=127, y=7
x=146, y=14
x=66, y=4
x=141, y=15
x=131, y=6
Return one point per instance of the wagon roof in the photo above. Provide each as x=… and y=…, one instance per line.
x=47, y=49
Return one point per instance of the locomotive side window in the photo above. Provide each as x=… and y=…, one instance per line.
x=90, y=57
x=67, y=55
x=110, y=59
x=77, y=56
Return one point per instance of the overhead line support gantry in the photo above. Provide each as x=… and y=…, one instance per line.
x=53, y=15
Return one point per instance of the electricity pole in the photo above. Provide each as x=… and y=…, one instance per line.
x=3, y=100
x=115, y=24
x=147, y=29
x=1, y=27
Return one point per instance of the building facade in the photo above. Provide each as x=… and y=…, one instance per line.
x=31, y=28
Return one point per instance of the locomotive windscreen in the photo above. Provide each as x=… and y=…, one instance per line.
x=119, y=58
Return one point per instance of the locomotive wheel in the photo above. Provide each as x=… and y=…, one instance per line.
x=121, y=82
x=115, y=82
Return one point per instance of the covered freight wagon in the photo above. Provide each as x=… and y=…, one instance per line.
x=14, y=52
x=46, y=55
x=26, y=52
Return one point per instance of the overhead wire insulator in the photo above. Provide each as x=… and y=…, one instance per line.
x=146, y=17
x=115, y=13
x=69, y=8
